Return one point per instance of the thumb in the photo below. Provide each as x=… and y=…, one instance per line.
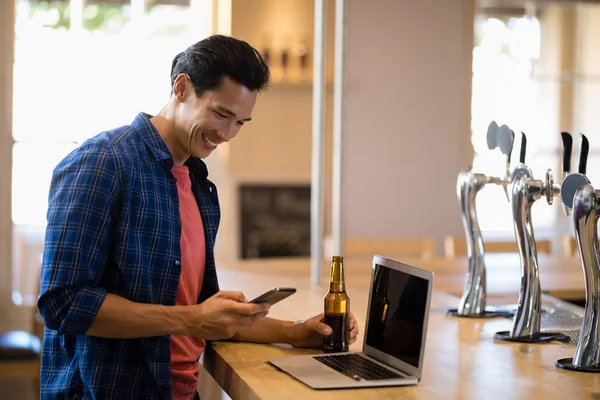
x=321, y=328
x=236, y=296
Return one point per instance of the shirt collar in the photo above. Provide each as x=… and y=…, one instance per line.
x=159, y=150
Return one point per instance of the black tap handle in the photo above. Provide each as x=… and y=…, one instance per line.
x=512, y=144
x=567, y=140
x=583, y=154
x=523, y=148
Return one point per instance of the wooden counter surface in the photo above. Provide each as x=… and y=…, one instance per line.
x=561, y=277
x=462, y=359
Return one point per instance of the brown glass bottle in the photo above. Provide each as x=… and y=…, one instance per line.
x=337, y=309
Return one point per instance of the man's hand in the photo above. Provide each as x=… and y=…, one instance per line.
x=220, y=316
x=310, y=332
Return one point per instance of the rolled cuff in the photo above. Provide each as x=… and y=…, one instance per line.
x=81, y=312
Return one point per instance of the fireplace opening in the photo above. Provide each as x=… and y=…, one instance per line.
x=275, y=221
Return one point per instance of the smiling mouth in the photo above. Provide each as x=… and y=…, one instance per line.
x=208, y=141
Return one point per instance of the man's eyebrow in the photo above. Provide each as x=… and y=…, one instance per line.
x=227, y=111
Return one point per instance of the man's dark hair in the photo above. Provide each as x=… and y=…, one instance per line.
x=209, y=60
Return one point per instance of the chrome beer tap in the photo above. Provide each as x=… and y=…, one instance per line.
x=525, y=190
x=584, y=201
x=472, y=303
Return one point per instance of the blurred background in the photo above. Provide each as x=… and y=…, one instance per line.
x=423, y=81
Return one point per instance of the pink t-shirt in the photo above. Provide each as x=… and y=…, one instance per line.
x=185, y=350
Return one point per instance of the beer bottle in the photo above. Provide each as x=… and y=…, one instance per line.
x=337, y=309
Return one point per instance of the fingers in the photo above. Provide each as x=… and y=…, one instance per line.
x=239, y=304
x=236, y=296
x=353, y=334
x=353, y=322
x=322, y=328
x=353, y=328
x=317, y=325
x=353, y=325
x=250, y=309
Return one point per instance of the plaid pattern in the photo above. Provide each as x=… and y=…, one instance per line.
x=113, y=227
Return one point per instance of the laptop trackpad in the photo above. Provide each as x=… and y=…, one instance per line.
x=314, y=370
x=306, y=366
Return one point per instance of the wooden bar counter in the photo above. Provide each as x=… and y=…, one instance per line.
x=462, y=358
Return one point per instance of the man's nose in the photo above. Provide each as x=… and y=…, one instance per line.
x=227, y=132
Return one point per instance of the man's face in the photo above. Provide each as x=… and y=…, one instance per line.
x=215, y=117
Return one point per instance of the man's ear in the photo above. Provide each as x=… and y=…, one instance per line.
x=180, y=87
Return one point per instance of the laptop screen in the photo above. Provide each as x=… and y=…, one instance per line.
x=397, y=314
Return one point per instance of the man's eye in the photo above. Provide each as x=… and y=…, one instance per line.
x=219, y=115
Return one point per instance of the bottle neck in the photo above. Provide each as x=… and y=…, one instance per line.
x=336, y=281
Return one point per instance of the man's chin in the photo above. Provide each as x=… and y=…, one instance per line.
x=202, y=154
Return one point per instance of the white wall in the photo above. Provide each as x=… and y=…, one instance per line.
x=276, y=146
x=407, y=116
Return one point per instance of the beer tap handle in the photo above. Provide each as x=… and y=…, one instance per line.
x=492, y=135
x=567, y=140
x=523, y=148
x=505, y=140
x=509, y=153
x=573, y=181
x=583, y=154
x=522, y=167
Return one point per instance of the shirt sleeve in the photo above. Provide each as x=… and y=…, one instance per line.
x=82, y=215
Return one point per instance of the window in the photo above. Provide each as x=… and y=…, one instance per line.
x=587, y=85
x=506, y=89
x=83, y=66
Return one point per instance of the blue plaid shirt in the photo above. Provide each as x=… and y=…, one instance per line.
x=114, y=227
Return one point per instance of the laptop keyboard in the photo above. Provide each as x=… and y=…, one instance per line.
x=357, y=367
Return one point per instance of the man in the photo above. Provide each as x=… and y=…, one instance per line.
x=129, y=290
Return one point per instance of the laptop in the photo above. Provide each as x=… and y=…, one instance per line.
x=394, y=338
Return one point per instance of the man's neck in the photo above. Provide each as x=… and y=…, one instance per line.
x=163, y=122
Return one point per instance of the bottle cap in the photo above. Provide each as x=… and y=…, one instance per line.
x=337, y=259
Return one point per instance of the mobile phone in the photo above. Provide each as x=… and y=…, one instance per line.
x=274, y=295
